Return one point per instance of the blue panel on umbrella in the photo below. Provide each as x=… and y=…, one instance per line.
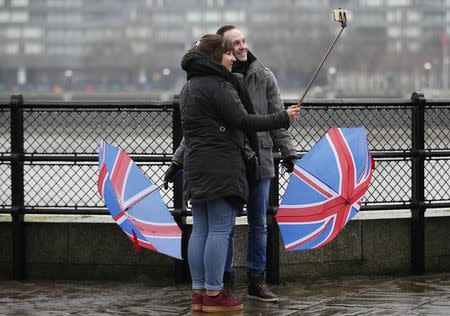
x=110, y=199
x=171, y=246
x=356, y=139
x=128, y=227
x=139, y=183
x=353, y=212
x=298, y=192
x=293, y=232
x=152, y=209
x=110, y=156
x=321, y=163
x=317, y=240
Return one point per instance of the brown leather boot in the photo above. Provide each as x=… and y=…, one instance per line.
x=258, y=290
x=229, y=281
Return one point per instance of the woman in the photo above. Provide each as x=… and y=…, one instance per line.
x=214, y=122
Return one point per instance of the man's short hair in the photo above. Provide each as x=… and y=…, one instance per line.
x=224, y=29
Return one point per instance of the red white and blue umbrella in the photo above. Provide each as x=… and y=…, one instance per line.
x=325, y=189
x=136, y=204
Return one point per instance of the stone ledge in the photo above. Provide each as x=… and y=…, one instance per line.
x=242, y=220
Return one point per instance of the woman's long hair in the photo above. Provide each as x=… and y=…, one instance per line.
x=213, y=46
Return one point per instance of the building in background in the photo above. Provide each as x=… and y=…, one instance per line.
x=391, y=47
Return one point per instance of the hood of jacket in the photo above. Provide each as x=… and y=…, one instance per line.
x=197, y=64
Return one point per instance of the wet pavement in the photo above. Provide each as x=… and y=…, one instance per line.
x=406, y=295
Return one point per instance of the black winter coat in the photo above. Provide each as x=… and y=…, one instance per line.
x=214, y=122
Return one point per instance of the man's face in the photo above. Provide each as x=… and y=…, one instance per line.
x=239, y=44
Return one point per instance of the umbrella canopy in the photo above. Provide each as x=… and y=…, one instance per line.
x=136, y=204
x=325, y=189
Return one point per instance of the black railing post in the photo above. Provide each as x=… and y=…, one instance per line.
x=17, y=187
x=418, y=184
x=273, y=240
x=181, y=266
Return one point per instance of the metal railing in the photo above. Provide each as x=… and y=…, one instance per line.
x=49, y=150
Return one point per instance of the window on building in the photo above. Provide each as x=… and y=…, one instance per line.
x=139, y=48
x=310, y=3
x=19, y=16
x=61, y=17
x=413, y=46
x=261, y=17
x=65, y=3
x=233, y=16
x=33, y=48
x=13, y=32
x=12, y=48
x=435, y=17
x=413, y=16
x=172, y=35
x=212, y=16
x=54, y=3
x=394, y=16
x=167, y=17
x=74, y=3
x=19, y=3
x=197, y=32
x=398, y=3
x=412, y=31
x=4, y=16
x=431, y=2
x=137, y=32
x=32, y=32
x=193, y=16
x=371, y=3
x=394, y=32
x=395, y=46
x=70, y=50
x=64, y=34
x=371, y=18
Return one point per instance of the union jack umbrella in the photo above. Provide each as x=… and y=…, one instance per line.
x=325, y=189
x=136, y=204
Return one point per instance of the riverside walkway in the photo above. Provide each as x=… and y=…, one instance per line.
x=427, y=294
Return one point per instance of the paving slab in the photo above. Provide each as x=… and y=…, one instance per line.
x=427, y=294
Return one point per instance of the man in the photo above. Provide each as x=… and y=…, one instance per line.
x=265, y=95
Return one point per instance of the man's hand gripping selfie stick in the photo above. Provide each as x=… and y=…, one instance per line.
x=341, y=17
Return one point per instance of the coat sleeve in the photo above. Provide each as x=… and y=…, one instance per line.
x=231, y=110
x=178, y=156
x=281, y=137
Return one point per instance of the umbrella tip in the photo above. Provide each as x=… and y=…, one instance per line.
x=137, y=248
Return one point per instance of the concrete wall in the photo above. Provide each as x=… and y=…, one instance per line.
x=363, y=247
x=5, y=251
x=437, y=244
x=86, y=251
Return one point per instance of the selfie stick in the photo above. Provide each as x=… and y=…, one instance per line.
x=341, y=17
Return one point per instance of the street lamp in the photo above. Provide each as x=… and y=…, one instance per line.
x=331, y=79
x=427, y=66
x=68, y=85
x=166, y=71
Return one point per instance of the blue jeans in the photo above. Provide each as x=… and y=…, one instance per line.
x=208, y=244
x=258, y=201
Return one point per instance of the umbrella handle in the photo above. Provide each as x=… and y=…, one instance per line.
x=178, y=173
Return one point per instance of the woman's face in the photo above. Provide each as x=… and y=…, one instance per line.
x=228, y=59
